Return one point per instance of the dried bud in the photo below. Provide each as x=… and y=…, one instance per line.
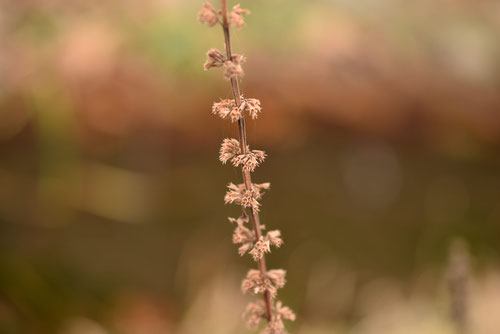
x=236, y=16
x=238, y=59
x=247, y=198
x=261, y=247
x=233, y=195
x=208, y=14
x=284, y=312
x=254, y=314
x=274, y=238
x=242, y=235
x=277, y=276
x=244, y=248
x=275, y=325
x=227, y=109
x=257, y=283
x=250, y=160
x=215, y=58
x=232, y=68
x=262, y=186
x=253, y=107
x=229, y=149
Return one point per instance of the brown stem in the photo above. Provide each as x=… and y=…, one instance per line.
x=243, y=144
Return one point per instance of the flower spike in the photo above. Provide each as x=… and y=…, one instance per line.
x=249, y=234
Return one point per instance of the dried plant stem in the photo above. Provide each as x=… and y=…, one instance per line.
x=257, y=242
x=247, y=179
x=458, y=277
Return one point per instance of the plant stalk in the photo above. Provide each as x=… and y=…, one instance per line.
x=243, y=145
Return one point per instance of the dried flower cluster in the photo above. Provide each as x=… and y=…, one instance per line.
x=249, y=234
x=208, y=15
x=228, y=109
x=230, y=150
x=240, y=194
x=258, y=283
x=232, y=66
x=255, y=312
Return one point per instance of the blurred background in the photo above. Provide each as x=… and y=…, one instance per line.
x=382, y=124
